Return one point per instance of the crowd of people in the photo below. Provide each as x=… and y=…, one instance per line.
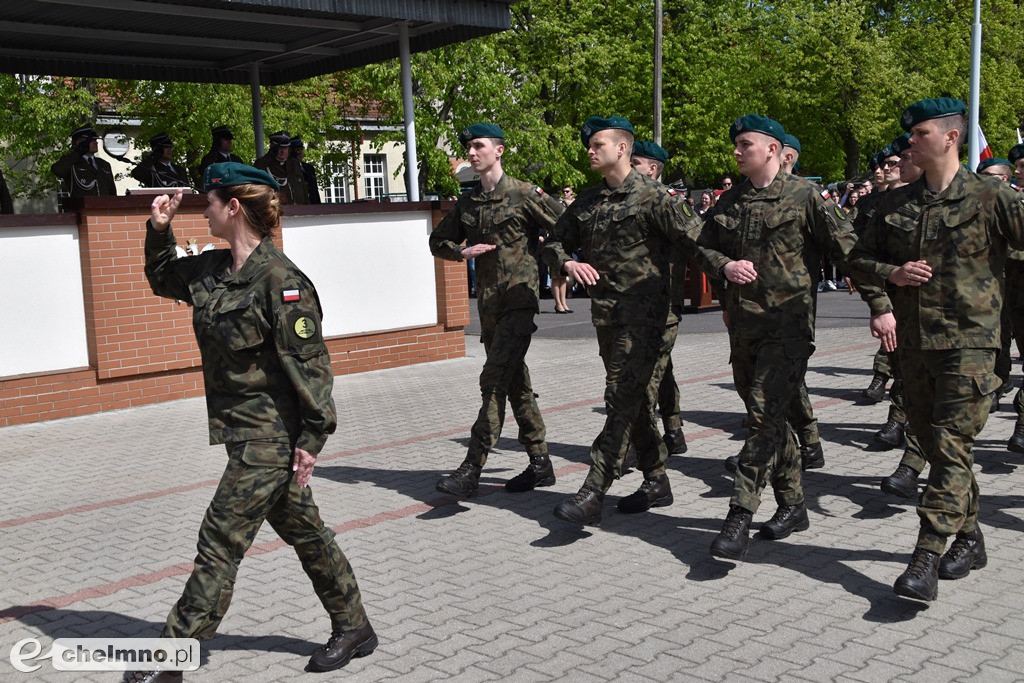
x=929, y=250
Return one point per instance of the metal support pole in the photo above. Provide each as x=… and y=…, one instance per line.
x=411, y=170
x=257, y=107
x=973, y=151
x=658, y=22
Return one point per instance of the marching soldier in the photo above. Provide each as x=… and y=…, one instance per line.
x=941, y=244
x=649, y=159
x=82, y=173
x=501, y=217
x=158, y=169
x=279, y=163
x=626, y=224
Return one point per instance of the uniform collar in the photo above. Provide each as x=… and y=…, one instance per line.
x=629, y=183
x=254, y=263
x=956, y=191
x=775, y=189
x=497, y=193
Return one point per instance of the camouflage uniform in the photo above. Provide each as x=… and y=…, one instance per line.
x=947, y=328
x=268, y=390
x=668, y=388
x=782, y=229
x=511, y=216
x=152, y=172
x=626, y=233
x=1013, y=321
x=288, y=175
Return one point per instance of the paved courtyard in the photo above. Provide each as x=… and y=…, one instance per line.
x=99, y=516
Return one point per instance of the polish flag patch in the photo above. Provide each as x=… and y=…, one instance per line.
x=825, y=194
x=289, y=295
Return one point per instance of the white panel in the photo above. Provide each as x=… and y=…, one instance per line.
x=42, y=317
x=373, y=272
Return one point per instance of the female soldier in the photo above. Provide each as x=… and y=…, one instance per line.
x=268, y=395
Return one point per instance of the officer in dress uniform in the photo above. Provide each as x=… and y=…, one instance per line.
x=298, y=151
x=81, y=172
x=220, y=150
x=279, y=163
x=158, y=169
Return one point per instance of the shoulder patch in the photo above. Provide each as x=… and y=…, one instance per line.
x=840, y=213
x=539, y=191
x=672, y=192
x=289, y=295
x=825, y=194
x=687, y=211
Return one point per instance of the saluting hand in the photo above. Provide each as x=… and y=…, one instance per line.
x=477, y=250
x=302, y=466
x=164, y=208
x=740, y=272
x=911, y=273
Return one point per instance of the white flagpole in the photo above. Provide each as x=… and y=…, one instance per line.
x=972, y=137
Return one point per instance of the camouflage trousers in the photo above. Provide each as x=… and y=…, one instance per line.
x=768, y=375
x=506, y=339
x=912, y=456
x=801, y=417
x=880, y=364
x=946, y=394
x=634, y=361
x=248, y=494
x=668, y=398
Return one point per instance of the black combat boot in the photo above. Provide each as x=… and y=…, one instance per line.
x=812, y=457
x=731, y=542
x=902, y=482
x=732, y=463
x=538, y=473
x=890, y=435
x=876, y=390
x=675, y=441
x=653, y=493
x=463, y=482
x=151, y=677
x=1016, y=442
x=342, y=647
x=583, y=508
x=966, y=553
x=921, y=579
x=786, y=520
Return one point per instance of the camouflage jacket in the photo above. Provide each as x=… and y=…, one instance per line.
x=782, y=229
x=512, y=216
x=962, y=233
x=866, y=209
x=288, y=175
x=265, y=365
x=626, y=233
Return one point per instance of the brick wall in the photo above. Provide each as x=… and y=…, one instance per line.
x=141, y=347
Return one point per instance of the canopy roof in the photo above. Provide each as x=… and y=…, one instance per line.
x=215, y=41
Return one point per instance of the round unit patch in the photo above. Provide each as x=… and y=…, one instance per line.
x=305, y=327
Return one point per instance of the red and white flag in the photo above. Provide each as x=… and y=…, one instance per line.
x=984, y=151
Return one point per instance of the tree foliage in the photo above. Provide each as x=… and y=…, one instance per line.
x=836, y=73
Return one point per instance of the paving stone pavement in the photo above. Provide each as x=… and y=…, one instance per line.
x=99, y=516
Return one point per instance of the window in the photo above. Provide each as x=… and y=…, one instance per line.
x=336, y=183
x=375, y=176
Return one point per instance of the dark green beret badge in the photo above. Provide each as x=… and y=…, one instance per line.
x=754, y=123
x=229, y=173
x=932, y=108
x=481, y=130
x=595, y=124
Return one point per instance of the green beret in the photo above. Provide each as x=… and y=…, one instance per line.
x=1016, y=152
x=791, y=141
x=231, y=173
x=885, y=153
x=900, y=144
x=481, y=130
x=994, y=161
x=757, y=124
x=650, y=150
x=873, y=162
x=932, y=108
x=596, y=123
